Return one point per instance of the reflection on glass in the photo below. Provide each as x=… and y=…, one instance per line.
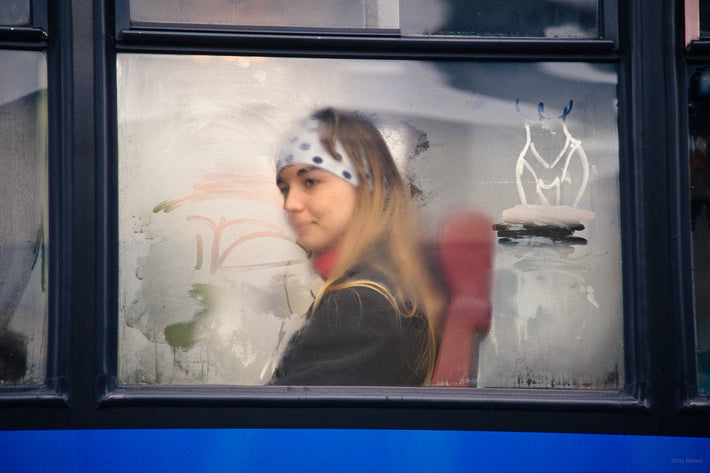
x=23, y=229
x=521, y=18
x=514, y=18
x=15, y=12
x=699, y=101
x=274, y=13
x=212, y=283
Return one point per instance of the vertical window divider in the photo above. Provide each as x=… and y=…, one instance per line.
x=106, y=201
x=60, y=162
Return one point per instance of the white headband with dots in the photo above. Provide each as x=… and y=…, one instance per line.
x=303, y=146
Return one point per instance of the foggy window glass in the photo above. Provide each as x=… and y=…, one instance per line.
x=699, y=101
x=15, y=12
x=275, y=13
x=212, y=283
x=23, y=218
x=521, y=18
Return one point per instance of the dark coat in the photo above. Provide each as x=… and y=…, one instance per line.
x=356, y=338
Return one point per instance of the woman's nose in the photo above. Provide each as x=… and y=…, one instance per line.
x=293, y=201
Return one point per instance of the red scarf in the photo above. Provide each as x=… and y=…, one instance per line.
x=324, y=264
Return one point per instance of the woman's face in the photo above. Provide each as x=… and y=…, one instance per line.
x=319, y=204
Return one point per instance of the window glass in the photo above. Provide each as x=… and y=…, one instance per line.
x=704, y=18
x=522, y=18
x=213, y=285
x=15, y=13
x=525, y=18
x=699, y=101
x=278, y=13
x=23, y=218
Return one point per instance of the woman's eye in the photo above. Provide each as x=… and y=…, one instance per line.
x=310, y=182
x=284, y=191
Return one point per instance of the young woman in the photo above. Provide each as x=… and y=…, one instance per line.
x=372, y=322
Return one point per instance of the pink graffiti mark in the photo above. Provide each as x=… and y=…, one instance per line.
x=218, y=257
x=225, y=185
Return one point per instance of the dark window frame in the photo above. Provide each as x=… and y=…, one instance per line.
x=35, y=37
x=128, y=32
x=156, y=41
x=657, y=397
x=34, y=32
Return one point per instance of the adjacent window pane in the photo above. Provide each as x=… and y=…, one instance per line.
x=15, y=12
x=704, y=18
x=274, y=13
x=206, y=296
x=699, y=100
x=23, y=218
x=522, y=18
x=515, y=18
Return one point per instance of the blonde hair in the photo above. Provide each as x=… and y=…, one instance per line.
x=386, y=220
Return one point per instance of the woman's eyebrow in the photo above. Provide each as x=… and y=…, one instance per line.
x=300, y=172
x=305, y=170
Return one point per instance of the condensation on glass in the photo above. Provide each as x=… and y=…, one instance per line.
x=514, y=18
x=211, y=280
x=23, y=218
x=15, y=13
x=699, y=102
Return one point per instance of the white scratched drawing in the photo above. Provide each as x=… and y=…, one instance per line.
x=559, y=166
x=550, y=182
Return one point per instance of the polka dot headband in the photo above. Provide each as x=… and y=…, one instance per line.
x=303, y=146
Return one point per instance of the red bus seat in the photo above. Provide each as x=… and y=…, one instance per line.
x=465, y=246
